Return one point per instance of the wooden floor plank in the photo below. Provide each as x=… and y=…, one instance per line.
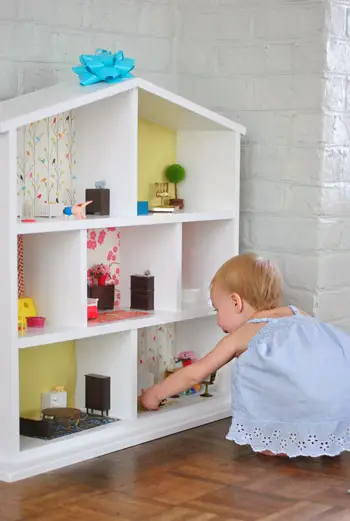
x=193, y=476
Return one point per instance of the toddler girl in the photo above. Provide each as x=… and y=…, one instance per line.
x=290, y=372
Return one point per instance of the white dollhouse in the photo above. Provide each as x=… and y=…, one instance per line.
x=182, y=249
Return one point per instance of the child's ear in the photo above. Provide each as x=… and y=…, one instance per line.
x=237, y=302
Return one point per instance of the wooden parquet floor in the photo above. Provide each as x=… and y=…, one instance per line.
x=193, y=476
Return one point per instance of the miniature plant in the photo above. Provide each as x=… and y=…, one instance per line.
x=101, y=273
x=175, y=174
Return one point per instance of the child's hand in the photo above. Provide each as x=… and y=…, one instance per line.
x=149, y=399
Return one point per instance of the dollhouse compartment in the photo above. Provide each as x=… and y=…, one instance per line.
x=205, y=247
x=166, y=348
x=128, y=251
x=170, y=133
x=60, y=156
x=50, y=273
x=111, y=356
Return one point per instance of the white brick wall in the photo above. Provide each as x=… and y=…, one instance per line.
x=269, y=76
x=333, y=288
x=40, y=40
x=281, y=67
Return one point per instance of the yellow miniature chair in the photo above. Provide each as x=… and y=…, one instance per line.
x=26, y=308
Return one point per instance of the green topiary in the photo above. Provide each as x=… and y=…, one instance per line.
x=175, y=174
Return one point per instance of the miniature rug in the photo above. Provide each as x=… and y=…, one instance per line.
x=117, y=314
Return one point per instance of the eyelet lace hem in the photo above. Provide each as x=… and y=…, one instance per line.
x=312, y=440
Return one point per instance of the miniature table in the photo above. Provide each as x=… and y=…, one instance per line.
x=62, y=414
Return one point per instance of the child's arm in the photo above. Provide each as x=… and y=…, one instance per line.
x=192, y=374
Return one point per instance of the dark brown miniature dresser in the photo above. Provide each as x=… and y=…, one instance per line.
x=97, y=393
x=142, y=291
x=100, y=201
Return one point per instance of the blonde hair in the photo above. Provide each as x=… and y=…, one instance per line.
x=256, y=280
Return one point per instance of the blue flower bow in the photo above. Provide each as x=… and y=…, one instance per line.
x=104, y=66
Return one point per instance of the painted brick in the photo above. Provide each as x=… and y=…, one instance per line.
x=333, y=305
x=34, y=76
x=67, y=46
x=228, y=93
x=348, y=96
x=197, y=26
x=234, y=24
x=335, y=94
x=337, y=20
x=333, y=268
x=336, y=164
x=287, y=91
x=7, y=40
x=151, y=54
x=309, y=56
x=196, y=58
x=301, y=272
x=34, y=43
x=165, y=80
x=8, y=79
x=284, y=234
x=71, y=13
x=119, y=16
x=199, y=6
x=300, y=165
x=155, y=20
x=334, y=234
x=279, y=57
x=338, y=56
x=266, y=126
x=288, y=21
x=335, y=200
x=302, y=298
x=308, y=128
x=9, y=10
x=237, y=60
x=337, y=129
x=282, y=199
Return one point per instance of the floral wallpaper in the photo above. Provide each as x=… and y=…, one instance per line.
x=103, y=247
x=156, y=348
x=46, y=165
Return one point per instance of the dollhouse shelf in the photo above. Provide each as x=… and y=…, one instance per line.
x=44, y=225
x=182, y=250
x=51, y=335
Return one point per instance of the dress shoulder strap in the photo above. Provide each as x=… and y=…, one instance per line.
x=260, y=320
x=295, y=310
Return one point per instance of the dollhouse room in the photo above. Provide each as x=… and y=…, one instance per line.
x=122, y=218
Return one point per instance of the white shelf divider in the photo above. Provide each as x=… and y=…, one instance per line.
x=115, y=356
x=157, y=249
x=55, y=277
x=206, y=246
x=106, y=149
x=9, y=379
x=44, y=225
x=209, y=157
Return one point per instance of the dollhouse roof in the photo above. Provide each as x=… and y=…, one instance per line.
x=155, y=103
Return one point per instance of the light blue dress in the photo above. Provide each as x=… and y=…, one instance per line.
x=291, y=388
